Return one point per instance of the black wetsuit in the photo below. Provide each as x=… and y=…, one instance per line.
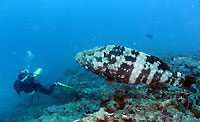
x=30, y=85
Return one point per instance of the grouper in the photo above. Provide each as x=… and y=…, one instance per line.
x=125, y=65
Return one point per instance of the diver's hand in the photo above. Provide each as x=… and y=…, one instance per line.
x=32, y=93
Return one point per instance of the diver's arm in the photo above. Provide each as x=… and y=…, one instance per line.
x=32, y=94
x=18, y=92
x=17, y=86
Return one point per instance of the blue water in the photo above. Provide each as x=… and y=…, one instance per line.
x=55, y=30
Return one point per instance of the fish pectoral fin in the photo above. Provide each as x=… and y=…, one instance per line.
x=109, y=78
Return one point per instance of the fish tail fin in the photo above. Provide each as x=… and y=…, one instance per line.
x=189, y=80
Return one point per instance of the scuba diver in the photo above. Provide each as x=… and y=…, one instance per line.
x=26, y=82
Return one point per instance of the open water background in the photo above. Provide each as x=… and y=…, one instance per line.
x=53, y=31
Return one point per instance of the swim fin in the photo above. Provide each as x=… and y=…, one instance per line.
x=65, y=86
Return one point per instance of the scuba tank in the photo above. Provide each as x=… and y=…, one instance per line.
x=37, y=72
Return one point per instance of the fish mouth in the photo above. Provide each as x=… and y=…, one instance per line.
x=86, y=55
x=90, y=59
x=80, y=58
x=85, y=59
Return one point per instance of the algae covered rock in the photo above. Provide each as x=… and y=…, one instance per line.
x=131, y=104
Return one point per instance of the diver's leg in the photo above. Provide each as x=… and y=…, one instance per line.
x=51, y=88
x=45, y=90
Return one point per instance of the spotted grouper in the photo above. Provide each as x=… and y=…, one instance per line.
x=126, y=65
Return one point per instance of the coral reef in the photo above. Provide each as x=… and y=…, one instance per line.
x=94, y=100
x=187, y=63
x=132, y=104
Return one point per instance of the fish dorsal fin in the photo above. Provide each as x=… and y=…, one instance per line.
x=163, y=65
x=108, y=77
